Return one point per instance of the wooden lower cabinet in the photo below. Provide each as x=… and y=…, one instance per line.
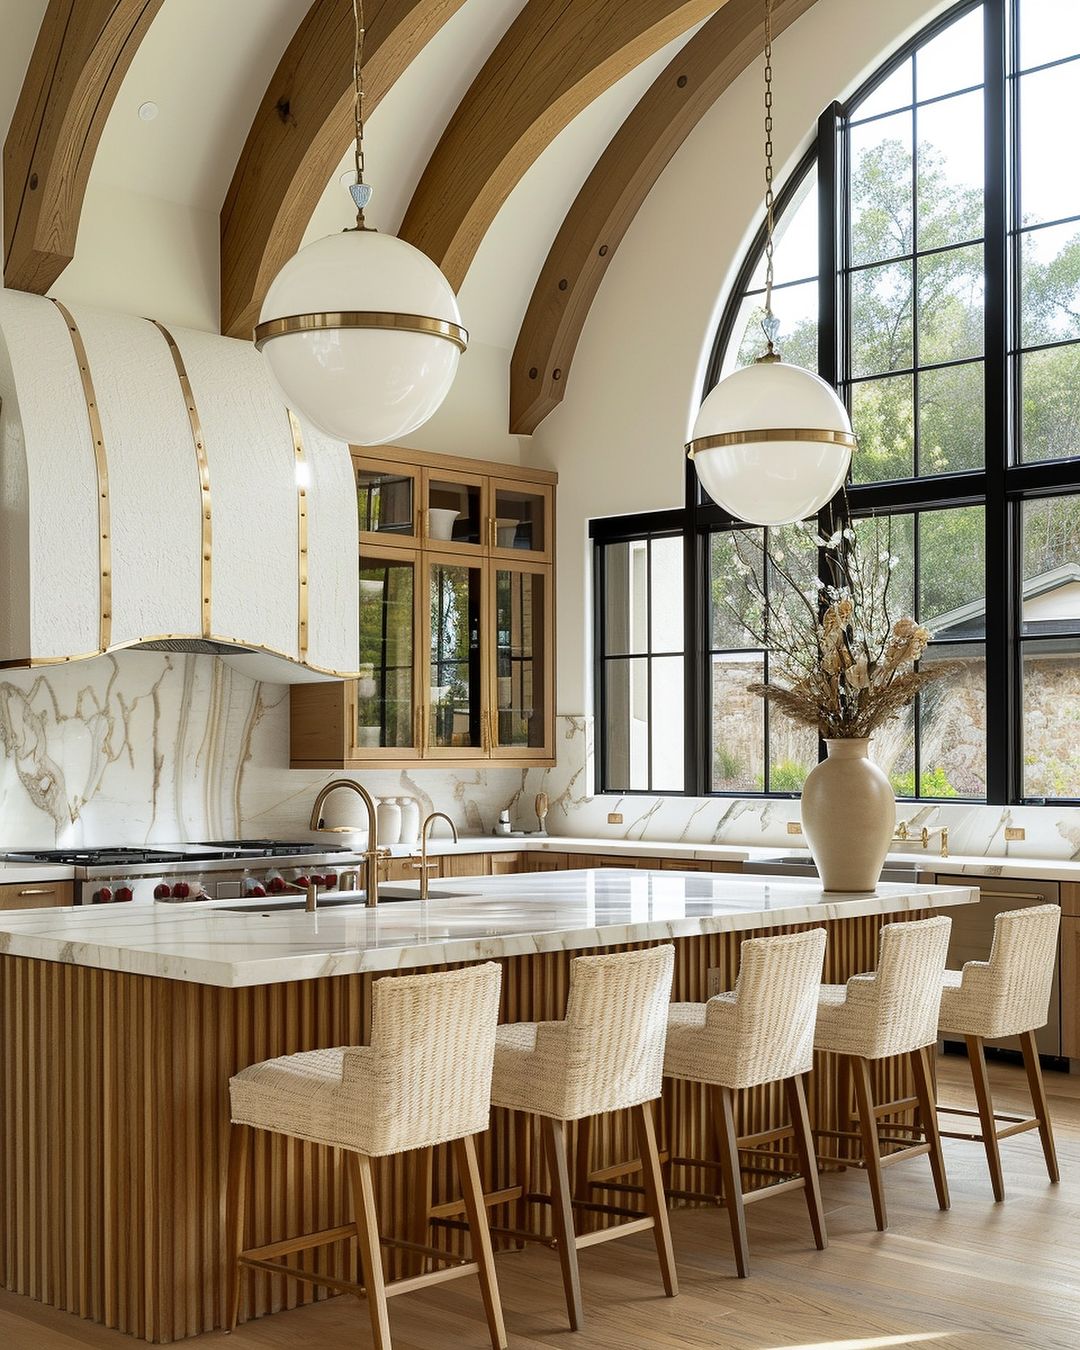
x=36, y=894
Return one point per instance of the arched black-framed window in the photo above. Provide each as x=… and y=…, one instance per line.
x=928, y=261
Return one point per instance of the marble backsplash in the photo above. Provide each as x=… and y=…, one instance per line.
x=145, y=747
x=1050, y=832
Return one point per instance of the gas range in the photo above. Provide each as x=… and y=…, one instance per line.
x=223, y=869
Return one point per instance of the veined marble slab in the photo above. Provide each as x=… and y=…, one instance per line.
x=487, y=917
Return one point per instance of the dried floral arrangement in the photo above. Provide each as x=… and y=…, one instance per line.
x=841, y=660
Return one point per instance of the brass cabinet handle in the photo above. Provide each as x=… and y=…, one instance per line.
x=494, y=732
x=485, y=733
x=37, y=890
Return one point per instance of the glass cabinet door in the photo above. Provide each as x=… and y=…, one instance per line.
x=521, y=702
x=456, y=515
x=521, y=519
x=455, y=722
x=385, y=694
x=387, y=501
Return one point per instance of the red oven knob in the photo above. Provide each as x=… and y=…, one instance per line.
x=162, y=891
x=303, y=881
x=317, y=881
x=277, y=885
x=257, y=889
x=330, y=880
x=123, y=893
x=181, y=890
x=103, y=896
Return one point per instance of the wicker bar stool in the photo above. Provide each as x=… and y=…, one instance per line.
x=891, y=1011
x=1007, y=995
x=608, y=1055
x=424, y=1079
x=760, y=1032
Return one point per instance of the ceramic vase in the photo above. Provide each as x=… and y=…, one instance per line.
x=388, y=815
x=410, y=820
x=848, y=816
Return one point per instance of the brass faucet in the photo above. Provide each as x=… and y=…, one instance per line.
x=373, y=855
x=423, y=866
x=903, y=834
x=311, y=890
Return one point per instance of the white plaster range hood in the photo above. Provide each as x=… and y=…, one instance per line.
x=155, y=488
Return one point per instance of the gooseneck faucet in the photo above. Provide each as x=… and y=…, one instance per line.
x=373, y=855
x=423, y=866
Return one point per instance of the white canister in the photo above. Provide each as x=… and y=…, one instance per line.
x=388, y=816
x=410, y=820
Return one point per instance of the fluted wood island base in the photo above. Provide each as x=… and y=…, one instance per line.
x=115, y=1104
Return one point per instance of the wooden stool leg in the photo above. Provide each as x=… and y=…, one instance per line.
x=523, y=1167
x=235, y=1197
x=924, y=1088
x=844, y=1118
x=724, y=1106
x=480, y=1236
x=864, y=1099
x=1038, y=1097
x=422, y=1176
x=981, y=1081
x=804, y=1147
x=582, y=1148
x=562, y=1216
x=655, y=1200
x=362, y=1181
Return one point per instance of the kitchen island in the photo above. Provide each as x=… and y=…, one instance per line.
x=123, y=1025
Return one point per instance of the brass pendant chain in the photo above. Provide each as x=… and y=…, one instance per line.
x=770, y=324
x=359, y=191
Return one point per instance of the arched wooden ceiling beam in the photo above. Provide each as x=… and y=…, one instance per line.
x=303, y=127
x=82, y=53
x=614, y=191
x=553, y=61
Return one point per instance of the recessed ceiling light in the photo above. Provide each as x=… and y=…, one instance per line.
x=148, y=111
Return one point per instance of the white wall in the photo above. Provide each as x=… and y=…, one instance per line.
x=617, y=438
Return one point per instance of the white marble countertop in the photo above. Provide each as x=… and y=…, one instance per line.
x=480, y=918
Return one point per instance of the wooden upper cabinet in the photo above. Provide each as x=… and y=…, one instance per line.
x=389, y=502
x=456, y=620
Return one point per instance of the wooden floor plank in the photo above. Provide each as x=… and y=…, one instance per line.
x=980, y=1277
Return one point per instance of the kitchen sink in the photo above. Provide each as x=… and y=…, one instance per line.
x=802, y=865
x=294, y=904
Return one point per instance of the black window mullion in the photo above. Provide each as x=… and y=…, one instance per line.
x=1002, y=703
x=697, y=726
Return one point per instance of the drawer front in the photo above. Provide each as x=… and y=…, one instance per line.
x=36, y=894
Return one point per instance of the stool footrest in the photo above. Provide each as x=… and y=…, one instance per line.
x=638, y=1225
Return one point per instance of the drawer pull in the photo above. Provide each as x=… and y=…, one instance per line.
x=1013, y=895
x=38, y=890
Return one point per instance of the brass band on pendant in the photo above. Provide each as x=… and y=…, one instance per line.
x=207, y=550
x=301, y=536
x=102, y=464
x=722, y=438
x=360, y=318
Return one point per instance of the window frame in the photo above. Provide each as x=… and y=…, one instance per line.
x=1001, y=486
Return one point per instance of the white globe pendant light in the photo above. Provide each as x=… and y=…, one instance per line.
x=361, y=330
x=772, y=442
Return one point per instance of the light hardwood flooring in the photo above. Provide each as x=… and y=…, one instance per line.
x=981, y=1277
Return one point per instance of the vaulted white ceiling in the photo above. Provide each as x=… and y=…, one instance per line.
x=148, y=236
